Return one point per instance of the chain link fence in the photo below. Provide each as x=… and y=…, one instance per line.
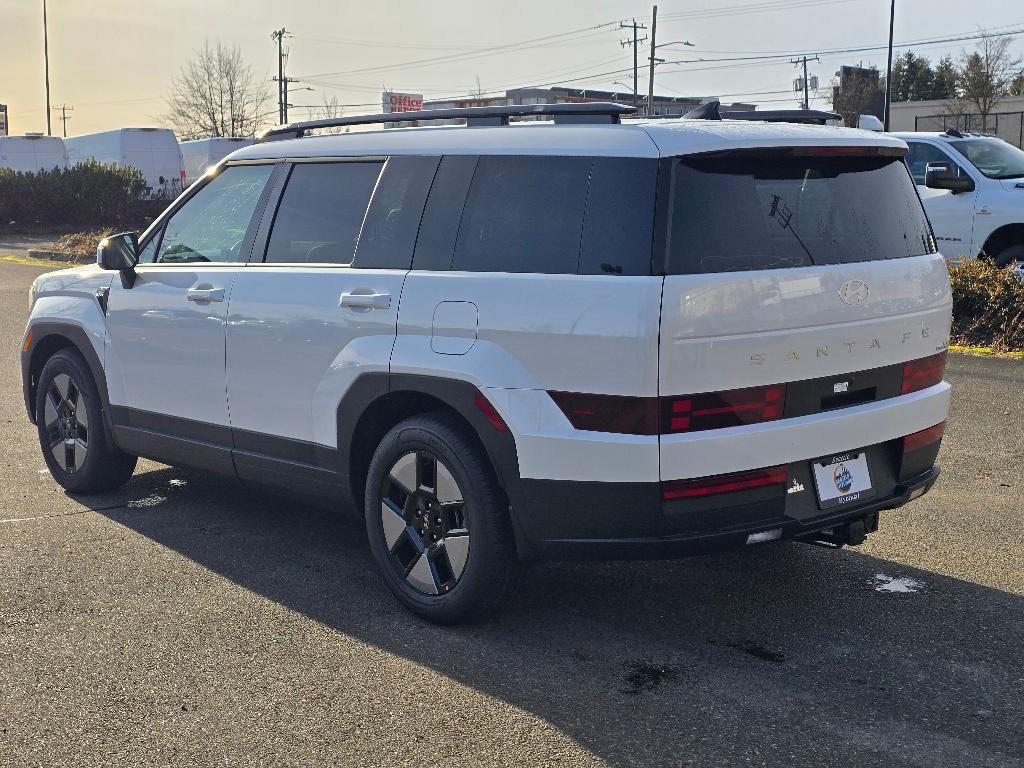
x=1006, y=125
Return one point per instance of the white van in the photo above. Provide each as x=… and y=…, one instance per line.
x=200, y=154
x=32, y=153
x=154, y=151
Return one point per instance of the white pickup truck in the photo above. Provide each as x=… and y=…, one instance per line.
x=972, y=187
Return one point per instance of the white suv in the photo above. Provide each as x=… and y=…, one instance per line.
x=972, y=187
x=582, y=338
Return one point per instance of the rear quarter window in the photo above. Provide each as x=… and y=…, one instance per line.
x=748, y=210
x=524, y=214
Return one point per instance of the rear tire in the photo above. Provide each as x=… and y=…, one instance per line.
x=438, y=522
x=1014, y=255
x=72, y=435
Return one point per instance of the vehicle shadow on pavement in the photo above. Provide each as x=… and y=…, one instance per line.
x=787, y=651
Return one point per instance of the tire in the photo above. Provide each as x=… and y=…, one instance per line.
x=72, y=435
x=430, y=489
x=1009, y=256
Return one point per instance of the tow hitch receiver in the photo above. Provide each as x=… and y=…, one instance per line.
x=852, y=533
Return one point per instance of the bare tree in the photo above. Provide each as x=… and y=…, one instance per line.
x=327, y=108
x=858, y=93
x=986, y=75
x=215, y=94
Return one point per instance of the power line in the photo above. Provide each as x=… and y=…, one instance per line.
x=450, y=58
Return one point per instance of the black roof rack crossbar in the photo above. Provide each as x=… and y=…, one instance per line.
x=586, y=112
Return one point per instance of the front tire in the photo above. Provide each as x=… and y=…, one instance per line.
x=438, y=522
x=72, y=434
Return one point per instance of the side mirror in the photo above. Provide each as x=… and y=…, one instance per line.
x=121, y=253
x=946, y=176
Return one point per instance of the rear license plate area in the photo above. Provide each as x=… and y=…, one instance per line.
x=842, y=479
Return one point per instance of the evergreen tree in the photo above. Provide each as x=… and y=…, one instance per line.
x=945, y=80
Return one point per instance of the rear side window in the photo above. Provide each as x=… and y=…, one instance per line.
x=389, y=232
x=749, y=210
x=619, y=221
x=524, y=214
x=321, y=212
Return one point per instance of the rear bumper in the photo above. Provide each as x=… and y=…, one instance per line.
x=592, y=521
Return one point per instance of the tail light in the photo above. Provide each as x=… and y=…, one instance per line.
x=924, y=438
x=714, y=410
x=718, y=484
x=674, y=414
x=923, y=373
x=609, y=413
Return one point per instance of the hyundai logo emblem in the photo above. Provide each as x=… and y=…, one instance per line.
x=853, y=291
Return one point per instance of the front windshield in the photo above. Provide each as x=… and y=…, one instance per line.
x=993, y=157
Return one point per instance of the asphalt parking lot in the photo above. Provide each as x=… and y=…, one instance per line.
x=186, y=620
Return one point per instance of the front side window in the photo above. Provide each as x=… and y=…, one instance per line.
x=993, y=157
x=321, y=212
x=746, y=210
x=524, y=214
x=211, y=226
x=921, y=155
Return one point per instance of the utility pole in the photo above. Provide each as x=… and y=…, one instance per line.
x=650, y=82
x=282, y=99
x=803, y=60
x=64, y=109
x=888, y=67
x=635, y=43
x=46, y=64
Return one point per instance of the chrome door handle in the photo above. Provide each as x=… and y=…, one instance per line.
x=372, y=300
x=205, y=294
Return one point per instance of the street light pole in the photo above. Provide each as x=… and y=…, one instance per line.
x=46, y=65
x=888, y=67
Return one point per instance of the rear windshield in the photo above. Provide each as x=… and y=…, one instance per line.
x=748, y=210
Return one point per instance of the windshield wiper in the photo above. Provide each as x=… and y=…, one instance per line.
x=781, y=213
x=1011, y=176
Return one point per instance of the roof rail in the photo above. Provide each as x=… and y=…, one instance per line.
x=586, y=112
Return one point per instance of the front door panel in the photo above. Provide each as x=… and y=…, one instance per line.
x=168, y=348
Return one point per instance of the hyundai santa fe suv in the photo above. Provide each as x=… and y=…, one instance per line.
x=585, y=337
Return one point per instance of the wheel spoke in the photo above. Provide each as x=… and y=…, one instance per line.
x=58, y=447
x=81, y=413
x=447, y=490
x=426, y=472
x=404, y=472
x=51, y=410
x=456, y=549
x=78, y=451
x=422, y=575
x=394, y=524
x=73, y=395
x=62, y=382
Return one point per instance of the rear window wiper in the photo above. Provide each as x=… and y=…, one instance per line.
x=782, y=214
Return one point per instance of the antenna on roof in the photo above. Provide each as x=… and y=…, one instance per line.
x=709, y=110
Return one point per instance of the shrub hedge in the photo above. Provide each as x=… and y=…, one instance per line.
x=988, y=305
x=89, y=194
